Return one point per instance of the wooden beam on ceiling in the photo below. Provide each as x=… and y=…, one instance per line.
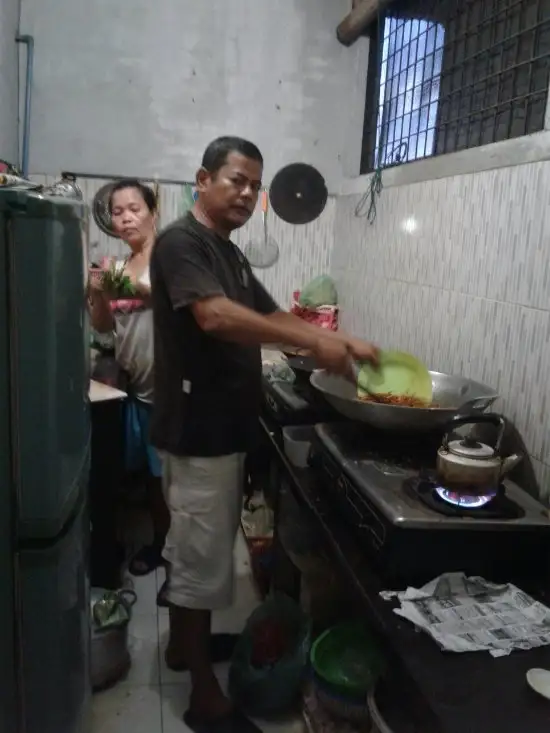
x=358, y=19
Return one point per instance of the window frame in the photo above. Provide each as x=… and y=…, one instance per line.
x=531, y=148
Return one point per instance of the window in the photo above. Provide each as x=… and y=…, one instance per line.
x=446, y=75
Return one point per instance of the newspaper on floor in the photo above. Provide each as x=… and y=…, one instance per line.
x=472, y=614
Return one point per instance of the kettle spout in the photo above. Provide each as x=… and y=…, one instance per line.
x=511, y=462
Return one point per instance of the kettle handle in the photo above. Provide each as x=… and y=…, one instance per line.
x=489, y=418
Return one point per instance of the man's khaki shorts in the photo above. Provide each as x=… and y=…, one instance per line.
x=204, y=497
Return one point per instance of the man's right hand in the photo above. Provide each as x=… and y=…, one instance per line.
x=333, y=354
x=337, y=354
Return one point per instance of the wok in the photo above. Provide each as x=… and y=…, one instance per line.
x=454, y=395
x=302, y=365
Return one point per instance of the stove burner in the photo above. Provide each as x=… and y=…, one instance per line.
x=451, y=504
x=463, y=500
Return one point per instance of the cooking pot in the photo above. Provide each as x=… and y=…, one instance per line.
x=470, y=467
x=110, y=658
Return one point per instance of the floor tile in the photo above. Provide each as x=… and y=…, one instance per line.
x=174, y=704
x=127, y=709
x=175, y=698
x=143, y=645
x=242, y=556
x=160, y=577
x=291, y=724
x=145, y=587
x=232, y=620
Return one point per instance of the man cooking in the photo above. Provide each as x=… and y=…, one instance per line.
x=211, y=315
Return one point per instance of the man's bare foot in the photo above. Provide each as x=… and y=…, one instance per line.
x=210, y=704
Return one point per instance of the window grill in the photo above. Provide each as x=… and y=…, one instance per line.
x=446, y=75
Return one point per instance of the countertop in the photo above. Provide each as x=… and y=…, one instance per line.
x=466, y=693
x=100, y=392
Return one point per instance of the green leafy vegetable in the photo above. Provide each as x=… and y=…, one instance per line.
x=116, y=283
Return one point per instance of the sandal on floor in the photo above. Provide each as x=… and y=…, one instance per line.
x=146, y=560
x=221, y=650
x=234, y=722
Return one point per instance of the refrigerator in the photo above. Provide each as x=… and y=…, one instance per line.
x=44, y=465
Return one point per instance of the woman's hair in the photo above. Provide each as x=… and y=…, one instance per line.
x=147, y=193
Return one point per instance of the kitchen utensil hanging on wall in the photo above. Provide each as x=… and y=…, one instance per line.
x=298, y=193
x=265, y=253
x=100, y=210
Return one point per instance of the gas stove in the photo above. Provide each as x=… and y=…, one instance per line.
x=283, y=405
x=294, y=404
x=384, y=486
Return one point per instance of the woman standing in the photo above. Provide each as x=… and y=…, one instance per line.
x=132, y=206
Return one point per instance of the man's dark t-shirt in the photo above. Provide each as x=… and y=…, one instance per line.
x=207, y=391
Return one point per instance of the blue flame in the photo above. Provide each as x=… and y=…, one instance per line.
x=463, y=500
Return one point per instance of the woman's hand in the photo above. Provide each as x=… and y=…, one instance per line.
x=95, y=284
x=99, y=306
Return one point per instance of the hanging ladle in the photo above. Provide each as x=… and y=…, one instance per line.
x=266, y=253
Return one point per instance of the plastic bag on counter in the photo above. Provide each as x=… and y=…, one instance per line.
x=324, y=316
x=279, y=372
x=270, y=658
x=321, y=291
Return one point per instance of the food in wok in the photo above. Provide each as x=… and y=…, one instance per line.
x=403, y=400
x=400, y=379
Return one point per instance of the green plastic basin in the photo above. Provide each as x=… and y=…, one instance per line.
x=348, y=658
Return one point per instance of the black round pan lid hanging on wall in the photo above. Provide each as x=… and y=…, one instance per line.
x=100, y=210
x=298, y=193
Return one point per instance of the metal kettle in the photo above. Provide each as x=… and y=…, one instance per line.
x=470, y=467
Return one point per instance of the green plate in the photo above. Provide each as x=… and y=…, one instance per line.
x=348, y=658
x=398, y=374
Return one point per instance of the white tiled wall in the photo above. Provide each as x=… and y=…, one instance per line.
x=304, y=251
x=457, y=271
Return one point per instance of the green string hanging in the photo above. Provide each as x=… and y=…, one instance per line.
x=367, y=204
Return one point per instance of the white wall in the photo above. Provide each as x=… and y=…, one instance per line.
x=304, y=251
x=139, y=88
x=9, y=21
x=457, y=271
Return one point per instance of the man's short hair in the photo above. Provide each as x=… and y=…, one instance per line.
x=215, y=155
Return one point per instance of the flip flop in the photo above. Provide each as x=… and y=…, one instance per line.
x=234, y=722
x=221, y=650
